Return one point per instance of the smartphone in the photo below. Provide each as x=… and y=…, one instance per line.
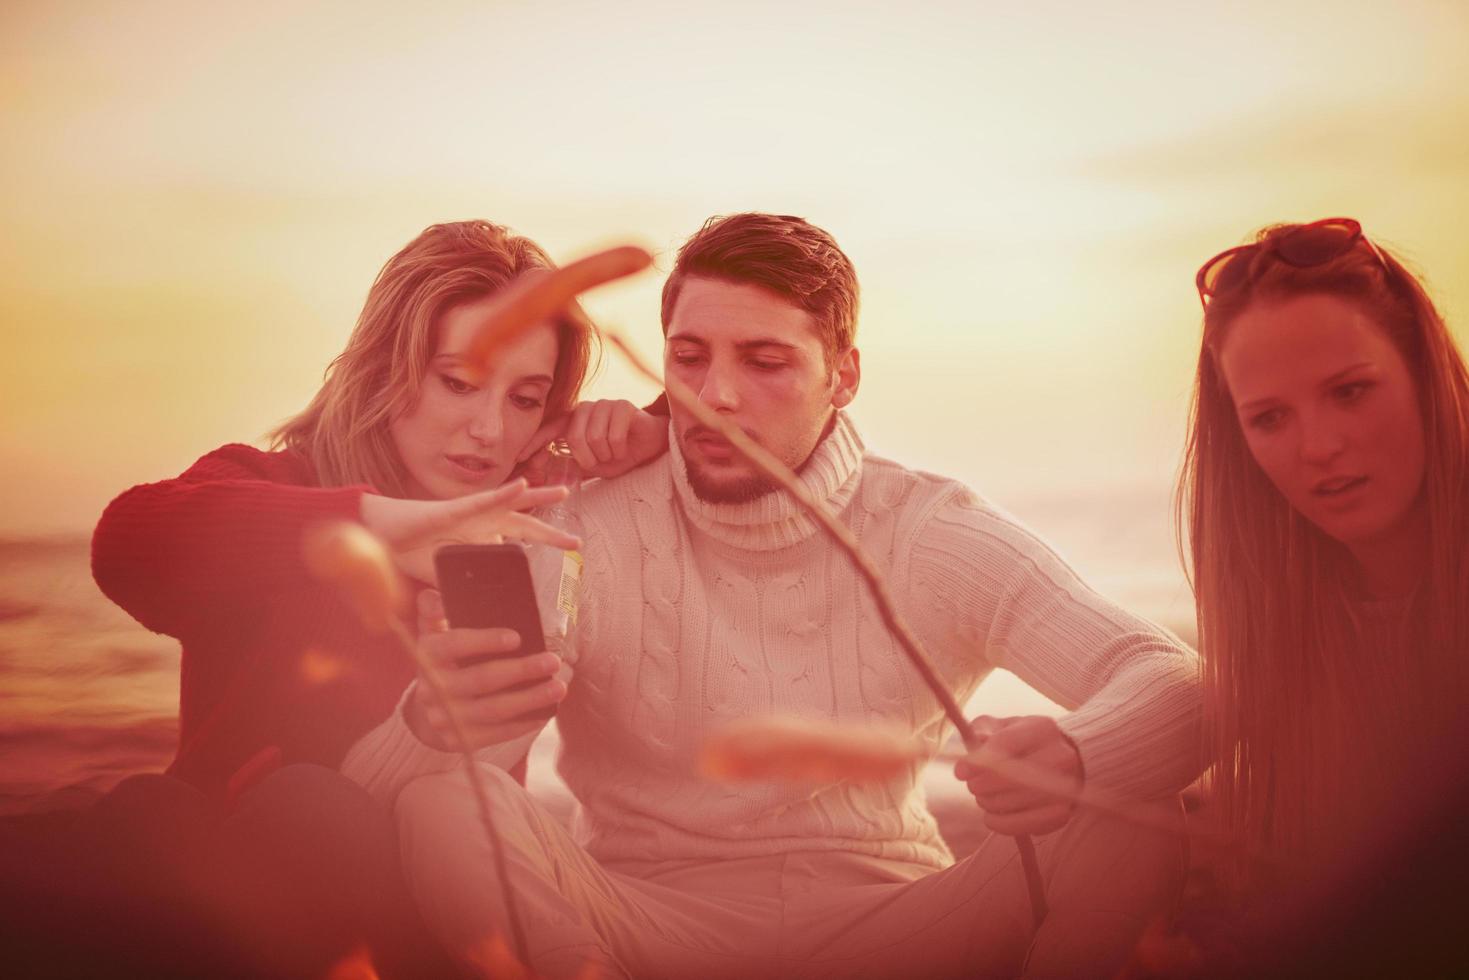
x=489, y=585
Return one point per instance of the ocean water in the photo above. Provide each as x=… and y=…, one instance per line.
x=88, y=696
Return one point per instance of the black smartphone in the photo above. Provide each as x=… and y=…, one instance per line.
x=489, y=585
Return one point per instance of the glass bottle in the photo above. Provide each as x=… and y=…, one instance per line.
x=557, y=573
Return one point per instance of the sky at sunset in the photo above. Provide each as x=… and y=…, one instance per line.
x=197, y=196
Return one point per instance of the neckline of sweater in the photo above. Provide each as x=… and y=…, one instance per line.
x=777, y=521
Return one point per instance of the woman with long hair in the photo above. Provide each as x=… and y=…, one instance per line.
x=252, y=838
x=400, y=424
x=1324, y=500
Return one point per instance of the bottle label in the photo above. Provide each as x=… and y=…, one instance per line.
x=570, y=588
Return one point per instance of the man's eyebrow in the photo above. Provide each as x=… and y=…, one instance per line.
x=741, y=345
x=765, y=342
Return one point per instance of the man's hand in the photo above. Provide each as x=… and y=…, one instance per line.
x=606, y=438
x=1033, y=745
x=480, y=694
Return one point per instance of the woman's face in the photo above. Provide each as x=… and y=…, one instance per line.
x=1329, y=410
x=464, y=435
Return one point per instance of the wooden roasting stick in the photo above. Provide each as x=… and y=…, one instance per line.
x=351, y=558
x=781, y=474
x=533, y=299
x=477, y=781
x=796, y=749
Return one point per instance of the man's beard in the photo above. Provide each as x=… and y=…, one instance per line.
x=739, y=490
x=730, y=490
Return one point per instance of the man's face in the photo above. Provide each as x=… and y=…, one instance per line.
x=756, y=360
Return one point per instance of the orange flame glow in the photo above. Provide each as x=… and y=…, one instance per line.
x=494, y=959
x=357, y=965
x=319, y=666
x=349, y=557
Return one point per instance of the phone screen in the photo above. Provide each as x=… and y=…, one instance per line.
x=489, y=585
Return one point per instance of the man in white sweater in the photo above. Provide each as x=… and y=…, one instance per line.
x=710, y=597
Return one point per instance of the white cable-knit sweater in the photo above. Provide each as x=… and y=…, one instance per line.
x=694, y=614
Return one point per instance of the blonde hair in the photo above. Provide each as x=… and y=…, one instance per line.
x=1305, y=720
x=344, y=431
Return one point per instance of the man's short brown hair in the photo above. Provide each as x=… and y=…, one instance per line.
x=786, y=255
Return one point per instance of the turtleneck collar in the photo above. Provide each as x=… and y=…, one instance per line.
x=776, y=520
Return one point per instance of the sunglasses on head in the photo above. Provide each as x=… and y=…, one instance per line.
x=1303, y=247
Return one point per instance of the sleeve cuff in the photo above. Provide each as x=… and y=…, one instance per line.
x=390, y=756
x=1144, y=747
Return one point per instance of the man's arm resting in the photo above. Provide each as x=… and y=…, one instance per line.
x=1132, y=687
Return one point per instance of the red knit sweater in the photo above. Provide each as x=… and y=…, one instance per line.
x=275, y=669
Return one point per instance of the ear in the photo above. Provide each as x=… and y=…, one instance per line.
x=848, y=377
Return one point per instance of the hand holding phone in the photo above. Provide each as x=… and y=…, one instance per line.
x=489, y=586
x=485, y=589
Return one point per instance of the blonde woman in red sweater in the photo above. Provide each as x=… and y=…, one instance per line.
x=252, y=831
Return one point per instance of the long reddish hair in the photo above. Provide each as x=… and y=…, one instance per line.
x=1306, y=713
x=344, y=431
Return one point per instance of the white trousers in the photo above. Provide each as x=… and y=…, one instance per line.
x=814, y=914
